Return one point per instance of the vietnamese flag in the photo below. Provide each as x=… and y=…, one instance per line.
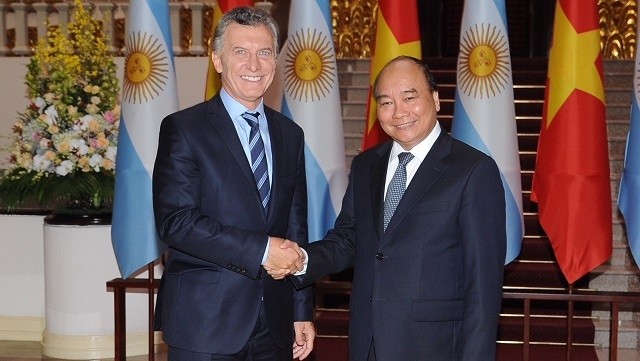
x=397, y=33
x=571, y=182
x=213, y=84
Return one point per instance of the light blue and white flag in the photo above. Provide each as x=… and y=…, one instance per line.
x=484, y=113
x=306, y=90
x=629, y=196
x=149, y=93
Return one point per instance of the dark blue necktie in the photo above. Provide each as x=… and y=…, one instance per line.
x=258, y=157
x=396, y=187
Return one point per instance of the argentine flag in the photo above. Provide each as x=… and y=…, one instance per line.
x=305, y=89
x=629, y=196
x=149, y=93
x=484, y=113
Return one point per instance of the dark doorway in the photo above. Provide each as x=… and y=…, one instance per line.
x=530, y=27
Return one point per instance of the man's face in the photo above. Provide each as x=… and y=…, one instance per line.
x=407, y=109
x=247, y=63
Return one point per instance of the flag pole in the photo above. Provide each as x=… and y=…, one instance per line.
x=150, y=291
x=569, y=323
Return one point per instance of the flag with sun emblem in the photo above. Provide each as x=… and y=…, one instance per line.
x=306, y=90
x=149, y=93
x=484, y=114
x=572, y=182
x=629, y=197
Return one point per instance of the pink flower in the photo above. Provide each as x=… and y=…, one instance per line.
x=109, y=117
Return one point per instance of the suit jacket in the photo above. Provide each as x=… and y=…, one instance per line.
x=207, y=209
x=430, y=286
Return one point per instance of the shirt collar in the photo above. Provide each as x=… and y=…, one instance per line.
x=235, y=108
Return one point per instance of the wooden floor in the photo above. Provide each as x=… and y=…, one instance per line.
x=32, y=351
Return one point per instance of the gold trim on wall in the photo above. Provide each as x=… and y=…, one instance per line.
x=618, y=21
x=354, y=24
x=354, y=27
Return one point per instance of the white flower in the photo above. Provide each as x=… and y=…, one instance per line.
x=44, y=143
x=51, y=115
x=111, y=153
x=85, y=120
x=79, y=146
x=40, y=163
x=95, y=161
x=95, y=100
x=65, y=167
x=40, y=103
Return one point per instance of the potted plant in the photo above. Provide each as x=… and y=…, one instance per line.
x=64, y=150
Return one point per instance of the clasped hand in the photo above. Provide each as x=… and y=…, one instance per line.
x=285, y=257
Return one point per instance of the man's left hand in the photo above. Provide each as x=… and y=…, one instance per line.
x=305, y=334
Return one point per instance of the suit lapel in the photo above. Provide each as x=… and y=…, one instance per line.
x=378, y=171
x=221, y=121
x=426, y=175
x=277, y=157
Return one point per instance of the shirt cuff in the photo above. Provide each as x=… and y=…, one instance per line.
x=304, y=263
x=266, y=252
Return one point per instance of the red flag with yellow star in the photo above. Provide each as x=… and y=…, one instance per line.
x=571, y=181
x=397, y=33
x=213, y=84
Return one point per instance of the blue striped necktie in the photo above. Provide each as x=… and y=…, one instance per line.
x=258, y=157
x=396, y=187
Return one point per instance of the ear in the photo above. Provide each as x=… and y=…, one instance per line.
x=436, y=100
x=217, y=61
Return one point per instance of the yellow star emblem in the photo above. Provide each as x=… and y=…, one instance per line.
x=572, y=64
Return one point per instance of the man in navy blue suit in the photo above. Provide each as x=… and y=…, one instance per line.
x=428, y=260
x=229, y=186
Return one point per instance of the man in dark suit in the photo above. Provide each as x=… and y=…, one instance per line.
x=229, y=185
x=427, y=281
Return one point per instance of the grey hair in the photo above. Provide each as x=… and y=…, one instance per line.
x=247, y=16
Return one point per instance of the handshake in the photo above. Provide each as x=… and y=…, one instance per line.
x=285, y=257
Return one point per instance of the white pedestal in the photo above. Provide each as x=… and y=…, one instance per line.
x=21, y=277
x=78, y=261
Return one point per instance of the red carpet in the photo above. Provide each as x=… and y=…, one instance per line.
x=545, y=353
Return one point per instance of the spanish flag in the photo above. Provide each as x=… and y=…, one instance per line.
x=397, y=33
x=571, y=182
x=213, y=84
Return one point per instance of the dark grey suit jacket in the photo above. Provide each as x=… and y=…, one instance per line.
x=430, y=287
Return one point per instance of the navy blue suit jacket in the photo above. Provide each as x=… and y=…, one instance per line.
x=430, y=286
x=207, y=209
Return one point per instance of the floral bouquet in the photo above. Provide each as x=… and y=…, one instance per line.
x=65, y=142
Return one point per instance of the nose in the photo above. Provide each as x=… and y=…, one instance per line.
x=400, y=111
x=253, y=63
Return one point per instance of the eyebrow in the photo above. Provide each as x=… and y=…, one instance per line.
x=404, y=92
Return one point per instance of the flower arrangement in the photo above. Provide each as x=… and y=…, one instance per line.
x=65, y=142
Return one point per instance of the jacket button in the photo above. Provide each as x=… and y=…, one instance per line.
x=379, y=256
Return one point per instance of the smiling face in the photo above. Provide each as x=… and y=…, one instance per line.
x=246, y=63
x=407, y=108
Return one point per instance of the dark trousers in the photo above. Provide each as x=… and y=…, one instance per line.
x=260, y=347
x=372, y=352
